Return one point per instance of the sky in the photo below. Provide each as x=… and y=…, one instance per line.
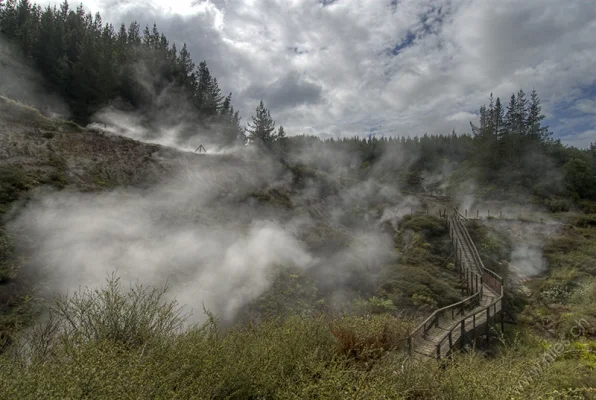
x=388, y=67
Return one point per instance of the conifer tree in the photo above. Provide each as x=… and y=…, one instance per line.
x=510, y=115
x=520, y=115
x=498, y=118
x=534, y=119
x=262, y=130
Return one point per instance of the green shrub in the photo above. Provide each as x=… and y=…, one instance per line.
x=13, y=182
x=429, y=226
x=133, y=318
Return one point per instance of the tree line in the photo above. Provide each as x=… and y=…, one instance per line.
x=90, y=64
x=509, y=151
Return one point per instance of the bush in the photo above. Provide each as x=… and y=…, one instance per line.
x=429, y=226
x=131, y=318
x=361, y=338
x=13, y=182
x=374, y=305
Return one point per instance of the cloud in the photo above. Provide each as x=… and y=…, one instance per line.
x=410, y=66
x=587, y=106
x=582, y=140
x=290, y=90
x=462, y=116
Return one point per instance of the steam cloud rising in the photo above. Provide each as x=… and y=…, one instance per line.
x=201, y=233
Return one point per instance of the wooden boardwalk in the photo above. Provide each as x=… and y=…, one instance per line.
x=454, y=326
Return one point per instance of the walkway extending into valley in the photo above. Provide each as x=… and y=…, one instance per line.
x=461, y=323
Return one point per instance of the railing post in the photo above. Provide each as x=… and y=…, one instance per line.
x=439, y=350
x=450, y=340
x=461, y=274
x=487, y=326
x=502, y=317
x=463, y=333
x=474, y=327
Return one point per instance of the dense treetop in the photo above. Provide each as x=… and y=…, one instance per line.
x=90, y=64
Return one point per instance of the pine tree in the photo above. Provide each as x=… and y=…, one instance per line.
x=9, y=19
x=520, y=115
x=229, y=126
x=186, y=68
x=90, y=63
x=226, y=105
x=510, y=115
x=134, y=35
x=261, y=131
x=534, y=119
x=490, y=124
x=240, y=131
x=498, y=118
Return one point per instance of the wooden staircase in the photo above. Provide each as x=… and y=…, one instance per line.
x=460, y=323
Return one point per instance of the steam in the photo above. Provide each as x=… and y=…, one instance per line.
x=18, y=81
x=165, y=116
x=528, y=240
x=527, y=258
x=203, y=232
x=79, y=238
x=181, y=134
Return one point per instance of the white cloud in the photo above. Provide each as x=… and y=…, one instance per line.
x=461, y=116
x=458, y=52
x=587, y=106
x=582, y=140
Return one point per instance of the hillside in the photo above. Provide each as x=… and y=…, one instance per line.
x=357, y=264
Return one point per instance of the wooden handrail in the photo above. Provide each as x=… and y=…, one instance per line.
x=491, y=279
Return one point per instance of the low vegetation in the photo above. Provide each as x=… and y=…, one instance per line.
x=323, y=356
x=567, y=292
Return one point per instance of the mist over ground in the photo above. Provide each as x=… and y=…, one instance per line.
x=216, y=245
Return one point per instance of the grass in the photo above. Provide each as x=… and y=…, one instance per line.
x=424, y=279
x=567, y=292
x=492, y=246
x=315, y=357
